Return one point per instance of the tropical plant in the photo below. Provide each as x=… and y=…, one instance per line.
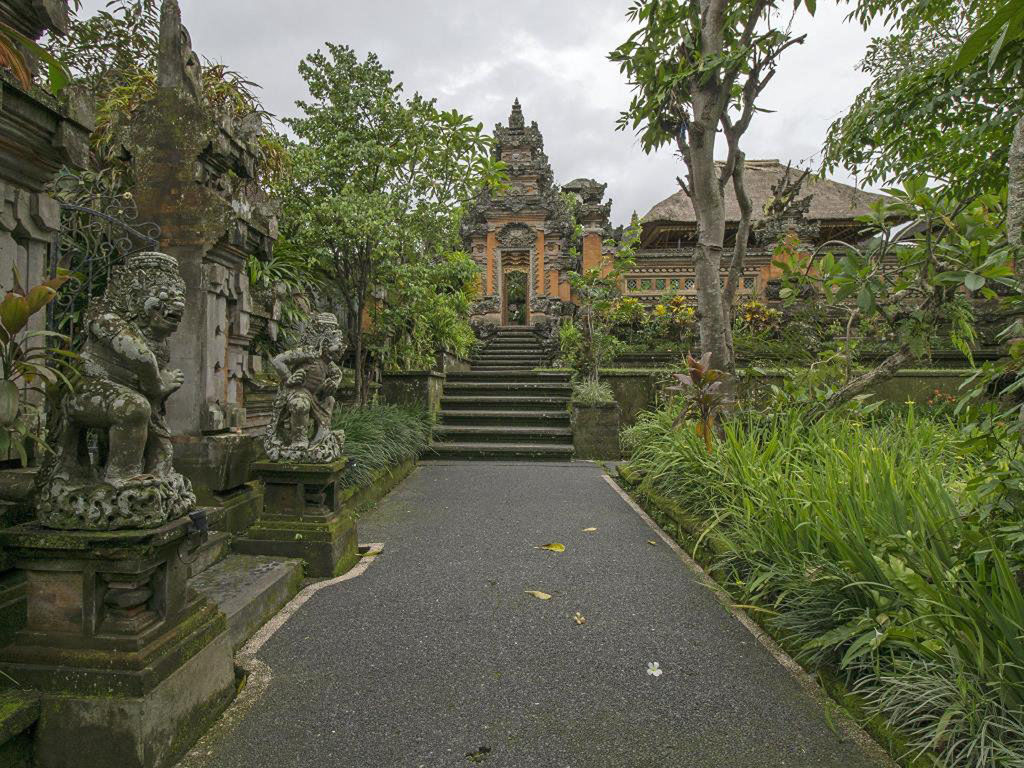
x=28, y=363
x=590, y=392
x=857, y=541
x=915, y=280
x=13, y=48
x=953, y=71
x=381, y=437
x=701, y=390
x=755, y=317
x=598, y=292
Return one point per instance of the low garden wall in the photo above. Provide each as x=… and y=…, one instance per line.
x=911, y=385
x=414, y=389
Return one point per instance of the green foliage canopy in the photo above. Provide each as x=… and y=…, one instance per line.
x=379, y=181
x=931, y=110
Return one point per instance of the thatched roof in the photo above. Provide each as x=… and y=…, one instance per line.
x=830, y=200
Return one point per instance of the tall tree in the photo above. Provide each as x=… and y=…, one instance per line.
x=698, y=67
x=378, y=181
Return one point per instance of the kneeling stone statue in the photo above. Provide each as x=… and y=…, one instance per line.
x=300, y=428
x=112, y=463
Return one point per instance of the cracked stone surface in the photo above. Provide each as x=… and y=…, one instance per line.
x=437, y=657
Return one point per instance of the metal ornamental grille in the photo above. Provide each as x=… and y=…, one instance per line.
x=91, y=242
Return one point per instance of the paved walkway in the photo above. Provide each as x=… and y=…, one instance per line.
x=436, y=657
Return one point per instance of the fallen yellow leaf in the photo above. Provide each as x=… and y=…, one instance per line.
x=590, y=530
x=579, y=618
x=554, y=546
x=652, y=542
x=538, y=595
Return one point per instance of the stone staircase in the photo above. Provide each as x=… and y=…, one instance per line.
x=513, y=348
x=502, y=408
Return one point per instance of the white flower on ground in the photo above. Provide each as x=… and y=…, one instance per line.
x=654, y=668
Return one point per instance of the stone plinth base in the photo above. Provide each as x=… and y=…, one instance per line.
x=303, y=516
x=131, y=667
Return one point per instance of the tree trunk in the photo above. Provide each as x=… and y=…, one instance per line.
x=1015, y=204
x=708, y=204
x=739, y=254
x=885, y=370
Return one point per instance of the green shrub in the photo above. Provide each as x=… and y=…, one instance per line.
x=381, y=436
x=858, y=542
x=591, y=392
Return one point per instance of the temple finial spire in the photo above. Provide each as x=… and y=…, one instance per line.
x=515, y=120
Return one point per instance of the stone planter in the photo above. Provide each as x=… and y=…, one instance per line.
x=595, y=431
x=419, y=389
x=635, y=392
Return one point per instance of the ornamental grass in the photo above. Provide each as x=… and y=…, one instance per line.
x=856, y=542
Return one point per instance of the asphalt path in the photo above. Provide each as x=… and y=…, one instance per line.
x=438, y=656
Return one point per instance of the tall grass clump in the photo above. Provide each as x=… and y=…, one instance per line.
x=379, y=437
x=858, y=540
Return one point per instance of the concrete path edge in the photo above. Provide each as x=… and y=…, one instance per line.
x=258, y=674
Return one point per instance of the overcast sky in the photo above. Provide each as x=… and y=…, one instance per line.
x=479, y=55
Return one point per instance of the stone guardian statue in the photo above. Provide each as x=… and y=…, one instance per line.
x=112, y=463
x=300, y=428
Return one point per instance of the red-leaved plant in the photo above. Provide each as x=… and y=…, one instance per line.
x=700, y=387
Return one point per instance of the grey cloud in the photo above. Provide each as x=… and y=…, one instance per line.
x=478, y=55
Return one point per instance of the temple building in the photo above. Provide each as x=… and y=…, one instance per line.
x=522, y=236
x=822, y=210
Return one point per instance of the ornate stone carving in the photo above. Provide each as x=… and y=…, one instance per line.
x=517, y=237
x=111, y=467
x=300, y=428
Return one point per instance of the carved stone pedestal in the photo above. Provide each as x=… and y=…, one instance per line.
x=132, y=669
x=304, y=517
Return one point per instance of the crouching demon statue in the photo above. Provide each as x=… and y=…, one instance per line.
x=111, y=466
x=300, y=429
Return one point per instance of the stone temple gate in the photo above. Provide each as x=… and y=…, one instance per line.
x=522, y=237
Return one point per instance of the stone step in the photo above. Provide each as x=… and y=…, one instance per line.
x=506, y=418
x=520, y=435
x=514, y=367
x=494, y=351
x=511, y=330
x=249, y=589
x=498, y=357
x=503, y=403
x=215, y=549
x=499, y=451
x=525, y=376
x=19, y=711
x=496, y=388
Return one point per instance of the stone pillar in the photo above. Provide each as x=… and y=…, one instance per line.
x=592, y=252
x=132, y=668
x=303, y=512
x=540, y=263
x=491, y=242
